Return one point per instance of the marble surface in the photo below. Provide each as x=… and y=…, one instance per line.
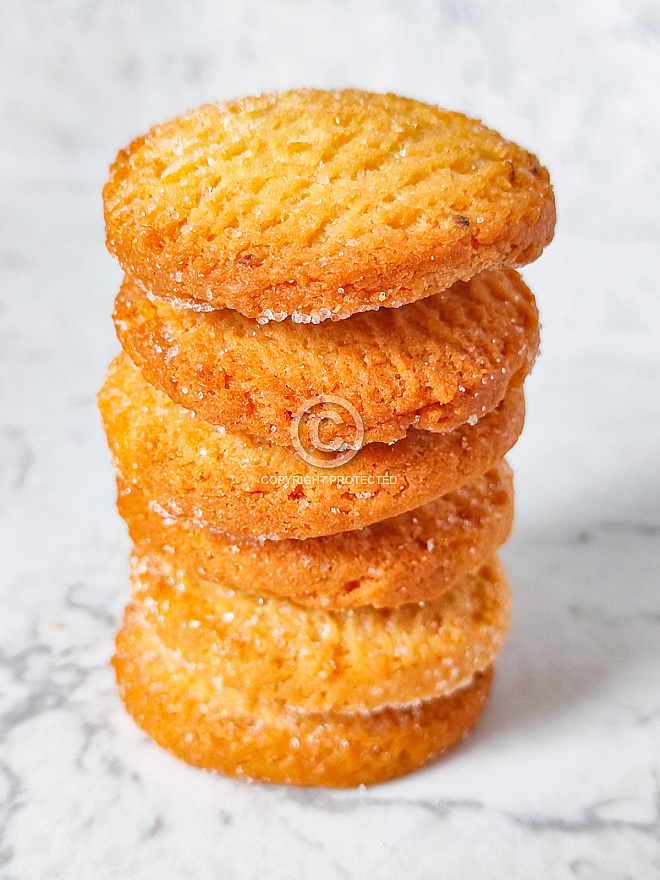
x=562, y=778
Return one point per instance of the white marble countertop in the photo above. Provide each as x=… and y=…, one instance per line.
x=562, y=778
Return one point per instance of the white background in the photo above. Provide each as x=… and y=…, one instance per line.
x=562, y=779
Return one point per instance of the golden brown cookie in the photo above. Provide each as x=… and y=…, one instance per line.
x=208, y=726
x=433, y=364
x=312, y=204
x=247, y=487
x=276, y=651
x=413, y=557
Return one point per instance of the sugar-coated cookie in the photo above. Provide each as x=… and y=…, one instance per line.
x=201, y=722
x=276, y=651
x=433, y=364
x=413, y=557
x=312, y=204
x=251, y=488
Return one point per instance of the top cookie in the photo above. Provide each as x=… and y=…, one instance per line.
x=317, y=204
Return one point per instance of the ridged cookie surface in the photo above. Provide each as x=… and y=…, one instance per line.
x=199, y=721
x=276, y=651
x=413, y=557
x=433, y=364
x=313, y=204
x=250, y=488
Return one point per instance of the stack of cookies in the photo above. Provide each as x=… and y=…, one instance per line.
x=324, y=342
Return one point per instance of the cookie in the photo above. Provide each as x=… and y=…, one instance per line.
x=250, y=488
x=413, y=557
x=208, y=726
x=275, y=651
x=433, y=364
x=314, y=204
